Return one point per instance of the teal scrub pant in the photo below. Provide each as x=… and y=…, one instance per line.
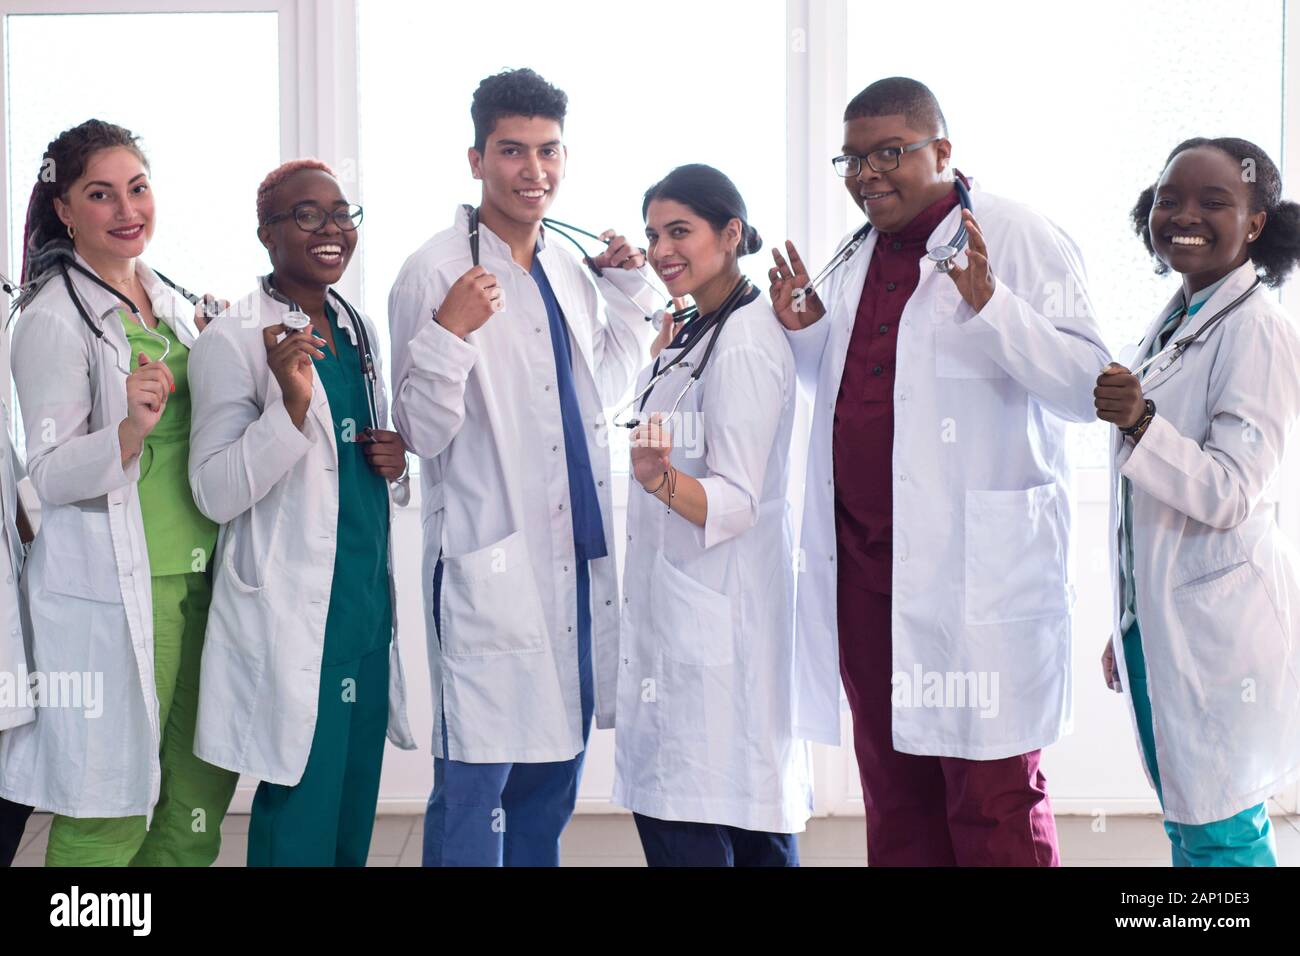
x=326, y=819
x=1244, y=839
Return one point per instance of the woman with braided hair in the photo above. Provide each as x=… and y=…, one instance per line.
x=117, y=582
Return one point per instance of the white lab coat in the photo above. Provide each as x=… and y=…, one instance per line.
x=705, y=678
x=1218, y=596
x=982, y=587
x=483, y=414
x=14, y=709
x=274, y=490
x=87, y=578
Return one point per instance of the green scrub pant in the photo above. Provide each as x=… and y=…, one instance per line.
x=326, y=819
x=193, y=796
x=1244, y=839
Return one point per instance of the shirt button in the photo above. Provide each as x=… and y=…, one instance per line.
x=891, y=286
x=884, y=329
x=895, y=245
x=877, y=370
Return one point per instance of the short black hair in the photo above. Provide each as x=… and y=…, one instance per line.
x=896, y=95
x=519, y=92
x=1276, y=250
x=712, y=196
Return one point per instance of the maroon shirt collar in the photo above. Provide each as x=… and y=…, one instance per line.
x=928, y=219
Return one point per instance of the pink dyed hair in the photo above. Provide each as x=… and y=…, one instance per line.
x=276, y=178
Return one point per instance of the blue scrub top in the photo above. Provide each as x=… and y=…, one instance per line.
x=588, y=529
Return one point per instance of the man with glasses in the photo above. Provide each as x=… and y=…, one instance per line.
x=936, y=523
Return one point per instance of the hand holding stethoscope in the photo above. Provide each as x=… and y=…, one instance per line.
x=147, y=388
x=290, y=361
x=975, y=281
x=1118, y=396
x=652, y=450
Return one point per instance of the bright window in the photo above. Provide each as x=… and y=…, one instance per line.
x=209, y=124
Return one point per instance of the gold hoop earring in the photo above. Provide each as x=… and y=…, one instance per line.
x=72, y=233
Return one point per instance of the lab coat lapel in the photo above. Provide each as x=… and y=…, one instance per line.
x=169, y=305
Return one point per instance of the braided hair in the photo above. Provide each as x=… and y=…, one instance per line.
x=45, y=239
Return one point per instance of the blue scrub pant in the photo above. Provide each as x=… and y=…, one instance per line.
x=1244, y=839
x=682, y=843
x=511, y=814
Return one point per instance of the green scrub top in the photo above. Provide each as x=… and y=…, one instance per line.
x=178, y=537
x=360, y=614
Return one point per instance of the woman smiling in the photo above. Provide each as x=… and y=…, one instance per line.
x=1209, y=648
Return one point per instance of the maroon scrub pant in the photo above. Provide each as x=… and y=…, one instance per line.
x=932, y=811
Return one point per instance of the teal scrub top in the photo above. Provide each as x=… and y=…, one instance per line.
x=360, y=618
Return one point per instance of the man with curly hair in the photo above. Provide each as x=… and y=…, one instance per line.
x=502, y=364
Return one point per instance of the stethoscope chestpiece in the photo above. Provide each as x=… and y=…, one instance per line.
x=297, y=321
x=942, y=257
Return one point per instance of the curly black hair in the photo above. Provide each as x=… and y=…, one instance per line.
x=1276, y=250
x=519, y=92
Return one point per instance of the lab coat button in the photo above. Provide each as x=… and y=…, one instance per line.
x=600, y=484
x=555, y=448
x=570, y=629
x=902, y=477
x=609, y=602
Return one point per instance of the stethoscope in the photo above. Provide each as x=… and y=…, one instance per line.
x=942, y=255
x=714, y=321
x=684, y=314
x=297, y=320
x=12, y=288
x=1174, y=351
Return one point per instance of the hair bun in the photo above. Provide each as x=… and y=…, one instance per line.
x=751, y=241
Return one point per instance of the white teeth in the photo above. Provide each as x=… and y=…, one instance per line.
x=670, y=271
x=326, y=250
x=1189, y=240
x=532, y=193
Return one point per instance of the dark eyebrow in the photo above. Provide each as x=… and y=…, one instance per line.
x=515, y=142
x=883, y=142
x=677, y=222
x=100, y=182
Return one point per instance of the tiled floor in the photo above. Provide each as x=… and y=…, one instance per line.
x=611, y=840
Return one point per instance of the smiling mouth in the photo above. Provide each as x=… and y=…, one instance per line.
x=326, y=253
x=874, y=197
x=531, y=195
x=127, y=232
x=668, y=273
x=1188, y=240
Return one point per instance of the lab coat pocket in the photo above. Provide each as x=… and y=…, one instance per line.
x=1015, y=555
x=490, y=602
x=957, y=356
x=692, y=622
x=698, y=698
x=1233, y=643
x=78, y=558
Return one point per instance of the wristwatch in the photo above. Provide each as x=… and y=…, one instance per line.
x=1138, y=427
